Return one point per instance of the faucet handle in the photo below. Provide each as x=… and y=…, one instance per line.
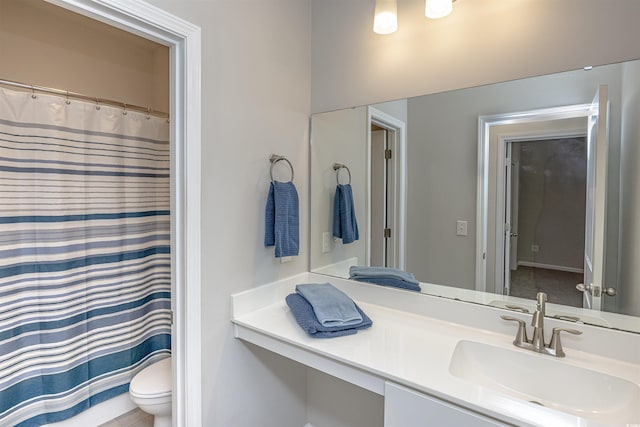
x=521, y=334
x=556, y=344
x=517, y=308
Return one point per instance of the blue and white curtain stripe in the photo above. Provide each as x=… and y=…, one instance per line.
x=85, y=263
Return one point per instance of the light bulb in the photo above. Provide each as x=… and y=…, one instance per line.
x=435, y=9
x=386, y=17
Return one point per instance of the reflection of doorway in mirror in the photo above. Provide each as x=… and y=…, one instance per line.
x=386, y=200
x=381, y=217
x=545, y=182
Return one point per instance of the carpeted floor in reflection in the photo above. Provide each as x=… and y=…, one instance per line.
x=560, y=286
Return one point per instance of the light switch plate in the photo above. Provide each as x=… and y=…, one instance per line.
x=461, y=228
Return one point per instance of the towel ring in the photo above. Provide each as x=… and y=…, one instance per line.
x=274, y=158
x=337, y=167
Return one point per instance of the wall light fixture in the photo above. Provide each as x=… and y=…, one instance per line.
x=386, y=17
x=435, y=9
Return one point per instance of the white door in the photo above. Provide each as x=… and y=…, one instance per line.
x=506, y=281
x=515, y=192
x=596, y=211
x=511, y=192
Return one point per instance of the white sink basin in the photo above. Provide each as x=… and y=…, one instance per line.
x=548, y=381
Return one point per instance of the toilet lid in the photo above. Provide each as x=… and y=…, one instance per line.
x=154, y=380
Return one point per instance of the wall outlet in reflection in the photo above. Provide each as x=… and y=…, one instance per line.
x=535, y=248
x=326, y=242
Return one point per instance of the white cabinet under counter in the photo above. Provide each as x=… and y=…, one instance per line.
x=406, y=356
x=404, y=407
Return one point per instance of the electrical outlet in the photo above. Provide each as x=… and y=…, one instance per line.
x=326, y=242
x=535, y=248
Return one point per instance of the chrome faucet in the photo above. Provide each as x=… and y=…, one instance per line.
x=537, y=343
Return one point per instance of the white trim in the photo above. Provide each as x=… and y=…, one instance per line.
x=183, y=38
x=99, y=414
x=551, y=267
x=485, y=123
x=382, y=119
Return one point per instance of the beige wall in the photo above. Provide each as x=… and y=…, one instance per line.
x=44, y=45
x=482, y=41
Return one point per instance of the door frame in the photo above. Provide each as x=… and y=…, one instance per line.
x=504, y=142
x=184, y=41
x=398, y=146
x=485, y=125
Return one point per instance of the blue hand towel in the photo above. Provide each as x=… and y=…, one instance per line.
x=304, y=315
x=345, y=225
x=331, y=306
x=389, y=281
x=356, y=272
x=281, y=219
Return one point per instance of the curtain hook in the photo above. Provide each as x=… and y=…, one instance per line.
x=148, y=116
x=124, y=111
x=68, y=101
x=97, y=103
x=33, y=92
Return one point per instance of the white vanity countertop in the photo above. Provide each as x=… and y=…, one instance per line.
x=411, y=349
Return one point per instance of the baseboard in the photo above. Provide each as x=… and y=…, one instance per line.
x=551, y=267
x=99, y=414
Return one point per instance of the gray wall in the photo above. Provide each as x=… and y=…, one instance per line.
x=482, y=41
x=442, y=167
x=552, y=200
x=255, y=101
x=338, y=137
x=628, y=289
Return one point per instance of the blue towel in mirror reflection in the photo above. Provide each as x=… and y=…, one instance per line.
x=345, y=226
x=306, y=318
x=385, y=276
x=282, y=219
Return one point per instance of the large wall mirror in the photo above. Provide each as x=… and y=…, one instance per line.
x=491, y=194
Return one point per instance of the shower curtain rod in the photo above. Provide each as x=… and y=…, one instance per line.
x=67, y=94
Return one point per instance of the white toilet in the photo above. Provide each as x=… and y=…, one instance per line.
x=151, y=390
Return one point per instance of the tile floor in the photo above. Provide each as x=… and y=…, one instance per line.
x=135, y=418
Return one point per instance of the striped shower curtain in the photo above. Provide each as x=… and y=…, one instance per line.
x=85, y=271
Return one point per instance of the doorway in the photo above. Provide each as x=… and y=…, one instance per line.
x=386, y=170
x=184, y=40
x=381, y=196
x=545, y=188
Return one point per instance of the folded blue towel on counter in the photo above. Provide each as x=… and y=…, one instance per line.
x=281, y=219
x=345, y=226
x=356, y=272
x=305, y=317
x=331, y=306
x=389, y=281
